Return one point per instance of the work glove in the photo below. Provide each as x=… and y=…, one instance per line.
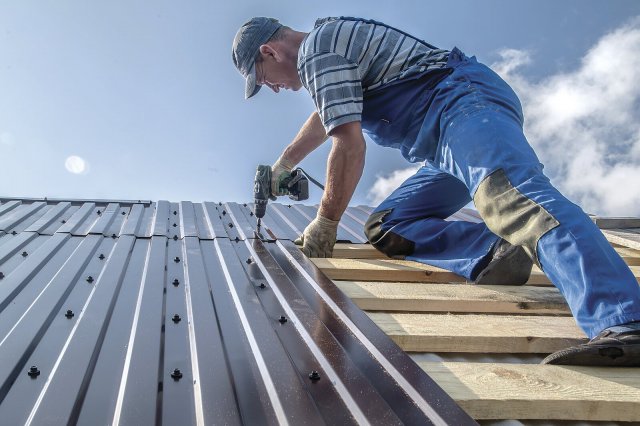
x=280, y=171
x=319, y=237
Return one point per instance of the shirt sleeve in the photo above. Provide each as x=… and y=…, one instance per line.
x=335, y=85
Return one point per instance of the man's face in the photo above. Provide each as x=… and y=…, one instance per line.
x=277, y=71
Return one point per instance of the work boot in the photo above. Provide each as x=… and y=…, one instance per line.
x=509, y=265
x=617, y=346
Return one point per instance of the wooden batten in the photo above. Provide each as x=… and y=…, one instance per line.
x=435, y=314
x=479, y=333
x=420, y=297
x=367, y=251
x=405, y=271
x=624, y=237
x=517, y=391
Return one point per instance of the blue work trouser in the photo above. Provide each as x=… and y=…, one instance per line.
x=479, y=131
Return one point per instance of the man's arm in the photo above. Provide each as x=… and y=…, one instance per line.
x=310, y=136
x=344, y=169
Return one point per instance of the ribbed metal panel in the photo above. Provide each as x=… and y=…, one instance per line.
x=176, y=313
x=175, y=220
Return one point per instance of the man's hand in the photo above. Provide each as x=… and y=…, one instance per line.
x=279, y=171
x=319, y=237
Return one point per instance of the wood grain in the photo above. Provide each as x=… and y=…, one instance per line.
x=406, y=271
x=513, y=391
x=479, y=333
x=419, y=297
x=367, y=251
x=623, y=238
x=397, y=270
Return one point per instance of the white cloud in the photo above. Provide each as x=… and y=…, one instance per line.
x=385, y=184
x=76, y=165
x=584, y=124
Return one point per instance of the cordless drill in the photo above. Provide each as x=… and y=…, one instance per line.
x=296, y=186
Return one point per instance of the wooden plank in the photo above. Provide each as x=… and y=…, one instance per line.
x=397, y=270
x=407, y=271
x=383, y=270
x=479, y=333
x=623, y=238
x=513, y=391
x=418, y=297
x=367, y=251
x=616, y=222
x=357, y=251
x=630, y=256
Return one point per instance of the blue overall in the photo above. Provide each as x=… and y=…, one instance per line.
x=465, y=122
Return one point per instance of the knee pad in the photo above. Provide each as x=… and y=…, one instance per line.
x=388, y=242
x=511, y=215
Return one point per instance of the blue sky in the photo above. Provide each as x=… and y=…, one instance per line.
x=146, y=95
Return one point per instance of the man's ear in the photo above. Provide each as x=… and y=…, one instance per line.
x=268, y=50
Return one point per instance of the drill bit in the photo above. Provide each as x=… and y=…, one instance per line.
x=259, y=223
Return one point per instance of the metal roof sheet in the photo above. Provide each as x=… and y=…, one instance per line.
x=206, y=220
x=175, y=313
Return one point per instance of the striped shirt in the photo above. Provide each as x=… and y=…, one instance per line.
x=340, y=60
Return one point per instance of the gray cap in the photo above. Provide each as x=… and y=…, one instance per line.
x=248, y=40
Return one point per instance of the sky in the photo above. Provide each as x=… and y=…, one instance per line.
x=140, y=99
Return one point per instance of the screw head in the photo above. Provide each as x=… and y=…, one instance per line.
x=282, y=319
x=89, y=279
x=1, y=275
x=224, y=212
x=249, y=261
x=250, y=213
x=175, y=212
x=63, y=221
x=25, y=254
x=176, y=374
x=69, y=314
x=123, y=213
x=176, y=282
x=245, y=204
x=175, y=238
x=230, y=225
x=174, y=225
x=113, y=236
x=314, y=376
x=176, y=318
x=99, y=212
x=101, y=257
x=262, y=285
x=14, y=233
x=237, y=239
x=33, y=372
x=176, y=259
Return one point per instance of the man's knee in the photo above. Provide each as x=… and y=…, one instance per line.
x=512, y=215
x=388, y=242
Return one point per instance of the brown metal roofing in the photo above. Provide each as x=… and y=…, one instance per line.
x=175, y=313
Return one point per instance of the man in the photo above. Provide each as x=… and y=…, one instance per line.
x=464, y=123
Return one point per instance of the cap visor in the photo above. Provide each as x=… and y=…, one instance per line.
x=251, y=88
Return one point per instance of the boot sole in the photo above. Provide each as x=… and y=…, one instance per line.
x=623, y=355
